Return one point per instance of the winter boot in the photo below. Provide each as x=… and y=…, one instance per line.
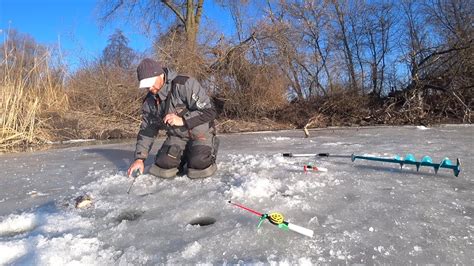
x=163, y=173
x=202, y=173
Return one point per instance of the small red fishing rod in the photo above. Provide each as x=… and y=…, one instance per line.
x=277, y=219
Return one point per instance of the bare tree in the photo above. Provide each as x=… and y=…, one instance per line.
x=236, y=8
x=311, y=22
x=442, y=60
x=117, y=53
x=149, y=13
x=452, y=19
x=415, y=38
x=450, y=66
x=341, y=13
x=358, y=24
x=285, y=41
x=378, y=26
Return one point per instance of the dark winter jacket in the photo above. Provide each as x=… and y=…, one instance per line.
x=187, y=99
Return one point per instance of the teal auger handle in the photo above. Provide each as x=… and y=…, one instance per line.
x=457, y=170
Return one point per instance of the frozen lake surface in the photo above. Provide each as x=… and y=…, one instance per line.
x=361, y=212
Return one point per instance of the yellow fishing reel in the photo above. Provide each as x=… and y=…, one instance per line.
x=275, y=218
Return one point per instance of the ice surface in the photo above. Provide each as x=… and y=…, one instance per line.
x=361, y=212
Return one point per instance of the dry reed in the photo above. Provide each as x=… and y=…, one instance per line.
x=30, y=88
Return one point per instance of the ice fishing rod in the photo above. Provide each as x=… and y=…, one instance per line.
x=277, y=219
x=315, y=155
x=135, y=174
x=408, y=160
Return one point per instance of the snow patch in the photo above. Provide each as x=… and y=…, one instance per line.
x=71, y=249
x=17, y=224
x=70, y=141
x=56, y=237
x=422, y=128
x=35, y=193
x=58, y=222
x=191, y=250
x=133, y=256
x=12, y=251
x=333, y=144
x=255, y=187
x=275, y=139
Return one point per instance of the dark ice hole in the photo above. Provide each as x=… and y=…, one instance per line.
x=203, y=221
x=129, y=215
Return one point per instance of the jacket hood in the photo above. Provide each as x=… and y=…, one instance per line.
x=169, y=76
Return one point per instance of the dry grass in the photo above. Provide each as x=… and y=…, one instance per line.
x=105, y=91
x=225, y=125
x=105, y=103
x=29, y=89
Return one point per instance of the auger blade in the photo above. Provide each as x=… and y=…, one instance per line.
x=410, y=159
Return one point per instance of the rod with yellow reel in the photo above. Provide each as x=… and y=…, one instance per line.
x=277, y=219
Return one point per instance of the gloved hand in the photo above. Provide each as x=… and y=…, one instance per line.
x=137, y=164
x=173, y=120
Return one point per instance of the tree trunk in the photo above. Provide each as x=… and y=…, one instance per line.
x=191, y=19
x=347, y=49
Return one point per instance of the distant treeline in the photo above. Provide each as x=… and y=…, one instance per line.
x=289, y=64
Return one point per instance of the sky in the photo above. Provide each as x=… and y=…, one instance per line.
x=73, y=25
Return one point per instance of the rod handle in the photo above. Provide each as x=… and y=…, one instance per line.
x=306, y=154
x=135, y=174
x=300, y=230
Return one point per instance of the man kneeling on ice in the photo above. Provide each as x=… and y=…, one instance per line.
x=180, y=105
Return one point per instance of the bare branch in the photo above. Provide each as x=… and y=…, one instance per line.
x=175, y=10
x=447, y=51
x=112, y=11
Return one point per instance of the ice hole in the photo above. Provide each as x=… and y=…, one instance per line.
x=203, y=221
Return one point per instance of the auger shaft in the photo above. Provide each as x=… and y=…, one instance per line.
x=410, y=160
